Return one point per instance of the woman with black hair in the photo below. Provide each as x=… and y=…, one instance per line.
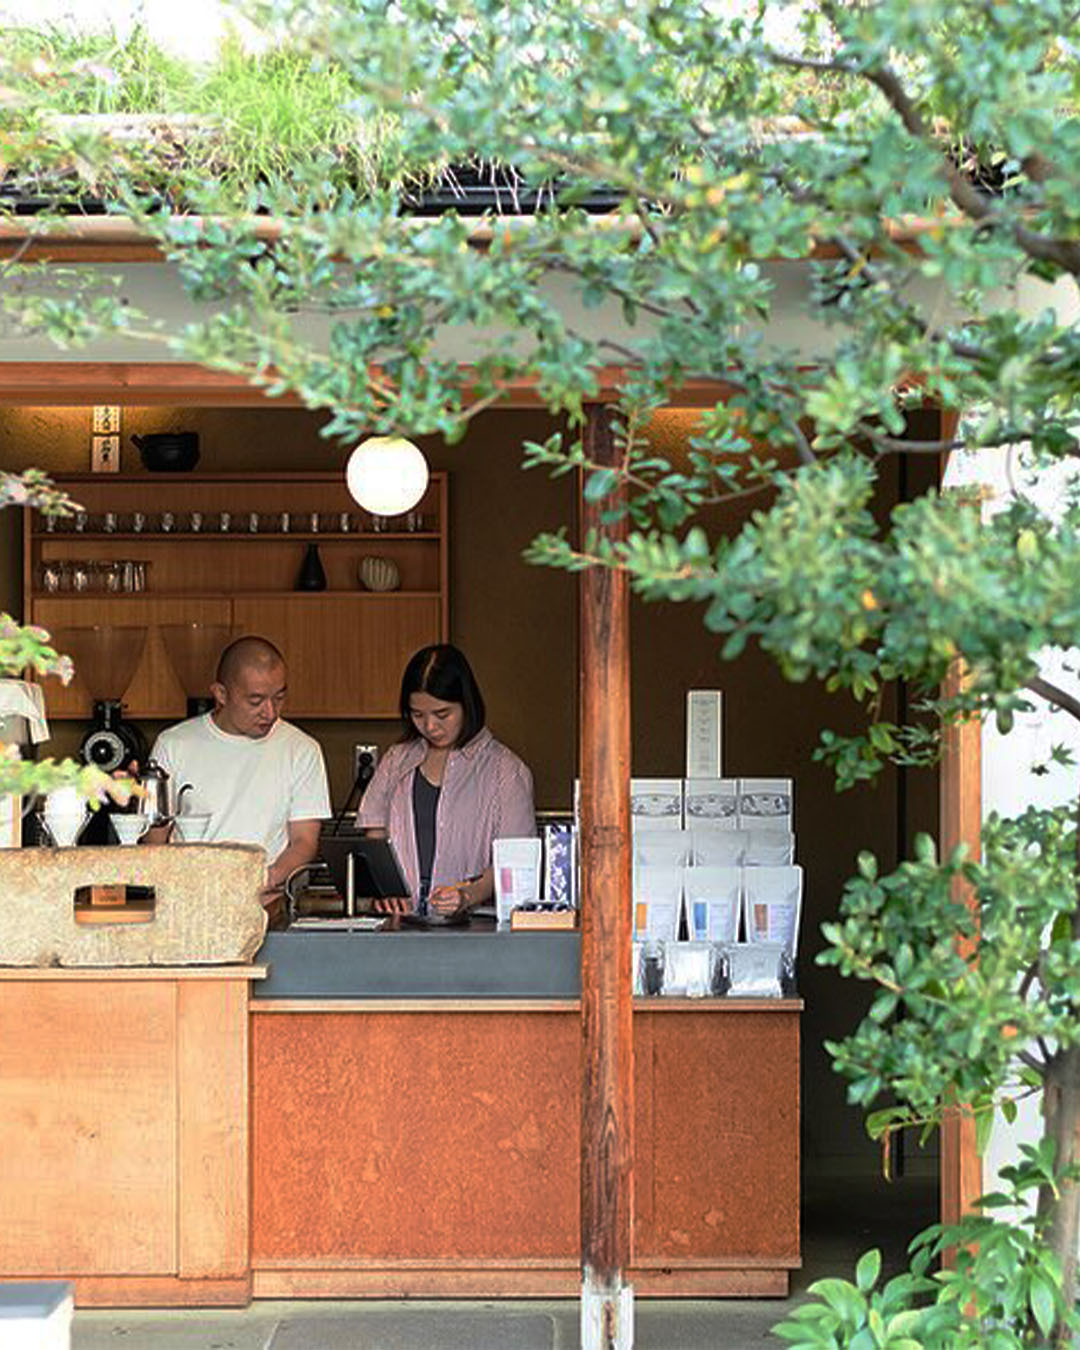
x=448, y=789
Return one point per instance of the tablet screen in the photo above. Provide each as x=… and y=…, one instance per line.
x=377, y=872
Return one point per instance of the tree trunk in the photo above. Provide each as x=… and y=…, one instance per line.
x=607, y=1103
x=1061, y=1111
x=1061, y=1107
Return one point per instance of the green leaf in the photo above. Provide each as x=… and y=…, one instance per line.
x=984, y=1128
x=842, y=1297
x=881, y=1122
x=868, y=1270
x=1044, y=1302
x=600, y=483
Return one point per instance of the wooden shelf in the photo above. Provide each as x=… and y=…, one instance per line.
x=87, y=597
x=229, y=537
x=345, y=651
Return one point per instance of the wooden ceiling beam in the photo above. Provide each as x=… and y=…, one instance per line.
x=156, y=383
x=118, y=239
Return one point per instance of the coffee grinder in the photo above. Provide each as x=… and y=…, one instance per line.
x=194, y=650
x=105, y=660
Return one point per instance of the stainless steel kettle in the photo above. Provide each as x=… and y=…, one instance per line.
x=159, y=801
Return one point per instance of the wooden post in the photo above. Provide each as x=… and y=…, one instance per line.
x=607, y=1100
x=960, y=779
x=961, y=1179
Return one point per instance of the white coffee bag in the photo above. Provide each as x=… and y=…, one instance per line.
x=717, y=848
x=772, y=899
x=713, y=900
x=768, y=848
x=657, y=901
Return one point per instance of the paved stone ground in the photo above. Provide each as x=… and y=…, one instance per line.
x=733, y=1325
x=841, y=1219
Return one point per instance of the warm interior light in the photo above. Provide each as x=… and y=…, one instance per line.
x=387, y=475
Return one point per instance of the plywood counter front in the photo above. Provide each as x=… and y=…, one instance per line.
x=124, y=1132
x=429, y=1147
x=170, y=1138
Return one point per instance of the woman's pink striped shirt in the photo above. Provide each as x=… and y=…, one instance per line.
x=487, y=794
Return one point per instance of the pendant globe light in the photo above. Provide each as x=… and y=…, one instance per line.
x=387, y=475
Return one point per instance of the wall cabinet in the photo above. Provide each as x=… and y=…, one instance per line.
x=226, y=550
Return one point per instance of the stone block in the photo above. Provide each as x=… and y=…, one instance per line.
x=206, y=908
x=36, y=1316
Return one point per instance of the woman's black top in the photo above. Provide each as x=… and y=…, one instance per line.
x=425, y=802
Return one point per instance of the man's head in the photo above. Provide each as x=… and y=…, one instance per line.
x=249, y=688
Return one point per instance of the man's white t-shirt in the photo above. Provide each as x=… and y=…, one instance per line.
x=251, y=789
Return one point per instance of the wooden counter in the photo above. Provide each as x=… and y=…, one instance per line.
x=124, y=1132
x=167, y=1139
x=430, y=1147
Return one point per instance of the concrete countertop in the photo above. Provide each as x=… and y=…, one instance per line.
x=449, y=963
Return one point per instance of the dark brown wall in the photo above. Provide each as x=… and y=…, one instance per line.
x=518, y=625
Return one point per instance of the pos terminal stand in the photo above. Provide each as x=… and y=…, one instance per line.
x=363, y=867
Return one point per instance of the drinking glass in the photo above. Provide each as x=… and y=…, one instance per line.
x=196, y=521
x=284, y=522
x=652, y=966
x=133, y=574
x=168, y=521
x=253, y=522
x=138, y=522
x=721, y=970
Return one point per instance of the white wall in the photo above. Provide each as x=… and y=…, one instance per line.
x=153, y=289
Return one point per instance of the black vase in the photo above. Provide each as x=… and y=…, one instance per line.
x=311, y=576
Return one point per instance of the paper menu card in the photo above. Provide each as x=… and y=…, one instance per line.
x=516, y=864
x=704, y=733
x=560, y=865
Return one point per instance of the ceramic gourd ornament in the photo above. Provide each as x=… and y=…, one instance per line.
x=379, y=574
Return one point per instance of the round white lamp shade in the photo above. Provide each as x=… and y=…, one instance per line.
x=387, y=475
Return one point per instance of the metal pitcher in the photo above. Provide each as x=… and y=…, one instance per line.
x=159, y=801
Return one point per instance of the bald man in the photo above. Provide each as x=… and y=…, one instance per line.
x=261, y=779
